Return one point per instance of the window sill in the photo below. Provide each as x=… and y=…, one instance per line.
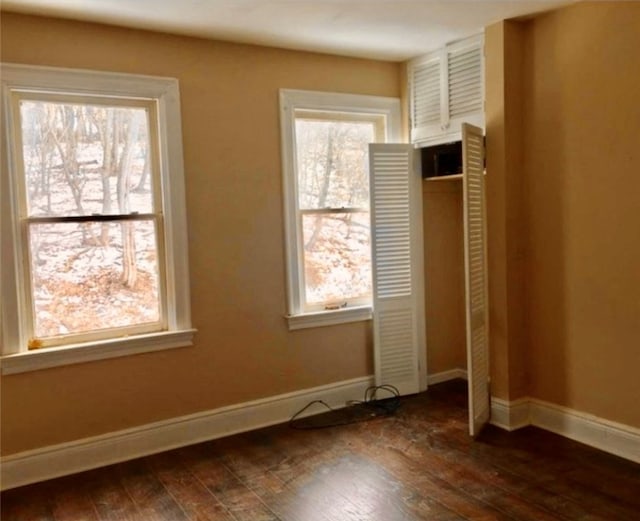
x=101, y=350
x=329, y=318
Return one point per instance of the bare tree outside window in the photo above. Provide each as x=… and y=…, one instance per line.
x=333, y=200
x=94, y=264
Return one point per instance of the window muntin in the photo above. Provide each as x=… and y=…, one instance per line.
x=332, y=173
x=89, y=196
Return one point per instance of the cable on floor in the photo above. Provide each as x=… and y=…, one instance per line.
x=355, y=411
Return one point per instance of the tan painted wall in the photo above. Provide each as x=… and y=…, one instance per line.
x=444, y=275
x=496, y=208
x=231, y=139
x=563, y=195
x=582, y=186
x=504, y=130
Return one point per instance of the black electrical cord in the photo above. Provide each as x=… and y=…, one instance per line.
x=355, y=411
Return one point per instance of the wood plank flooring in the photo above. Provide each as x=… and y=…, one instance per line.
x=419, y=464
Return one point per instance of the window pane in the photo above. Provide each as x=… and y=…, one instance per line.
x=85, y=159
x=337, y=257
x=333, y=164
x=93, y=276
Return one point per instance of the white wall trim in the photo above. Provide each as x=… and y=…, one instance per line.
x=163, y=95
x=98, y=350
x=613, y=437
x=291, y=100
x=445, y=376
x=329, y=318
x=76, y=456
x=510, y=415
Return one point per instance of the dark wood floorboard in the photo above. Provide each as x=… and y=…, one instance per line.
x=418, y=464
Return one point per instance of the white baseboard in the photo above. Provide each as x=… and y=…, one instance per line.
x=79, y=455
x=615, y=438
x=612, y=437
x=445, y=376
x=88, y=453
x=510, y=415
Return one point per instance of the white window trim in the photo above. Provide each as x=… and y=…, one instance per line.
x=15, y=357
x=290, y=101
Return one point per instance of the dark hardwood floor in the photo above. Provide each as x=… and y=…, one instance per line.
x=418, y=464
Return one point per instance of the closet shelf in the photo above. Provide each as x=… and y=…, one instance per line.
x=452, y=177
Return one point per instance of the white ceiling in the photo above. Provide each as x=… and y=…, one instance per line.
x=381, y=29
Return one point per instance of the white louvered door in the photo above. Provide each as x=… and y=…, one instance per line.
x=398, y=280
x=477, y=316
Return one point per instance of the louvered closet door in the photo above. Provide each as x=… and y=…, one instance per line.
x=427, y=88
x=398, y=286
x=465, y=84
x=477, y=317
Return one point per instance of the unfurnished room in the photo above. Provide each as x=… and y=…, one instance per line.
x=319, y=260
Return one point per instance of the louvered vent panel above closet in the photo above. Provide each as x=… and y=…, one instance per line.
x=446, y=89
x=426, y=93
x=465, y=81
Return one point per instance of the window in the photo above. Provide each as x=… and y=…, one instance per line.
x=93, y=199
x=325, y=140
